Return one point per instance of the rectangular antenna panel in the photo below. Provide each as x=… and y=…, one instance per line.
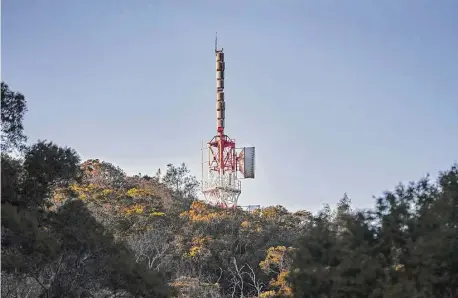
x=248, y=162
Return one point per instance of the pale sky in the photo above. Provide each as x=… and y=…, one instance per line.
x=337, y=96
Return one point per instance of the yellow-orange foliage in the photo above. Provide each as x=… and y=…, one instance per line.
x=96, y=192
x=139, y=192
x=245, y=224
x=156, y=213
x=197, y=244
x=275, y=257
x=91, y=191
x=281, y=285
x=133, y=209
x=198, y=206
x=269, y=212
x=273, y=212
x=251, y=226
x=59, y=195
x=275, y=263
x=268, y=294
x=200, y=212
x=81, y=191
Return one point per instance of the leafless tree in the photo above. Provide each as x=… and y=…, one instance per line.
x=243, y=279
x=151, y=247
x=253, y=280
x=236, y=279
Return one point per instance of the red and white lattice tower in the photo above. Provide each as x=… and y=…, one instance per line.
x=220, y=172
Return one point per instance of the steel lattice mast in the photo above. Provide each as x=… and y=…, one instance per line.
x=220, y=183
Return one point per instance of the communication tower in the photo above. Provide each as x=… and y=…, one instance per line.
x=220, y=172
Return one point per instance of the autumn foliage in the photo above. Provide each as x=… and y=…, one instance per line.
x=87, y=229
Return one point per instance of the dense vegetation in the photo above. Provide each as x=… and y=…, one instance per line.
x=86, y=229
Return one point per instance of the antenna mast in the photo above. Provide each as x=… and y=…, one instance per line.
x=222, y=186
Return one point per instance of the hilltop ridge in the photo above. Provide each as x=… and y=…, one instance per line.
x=87, y=229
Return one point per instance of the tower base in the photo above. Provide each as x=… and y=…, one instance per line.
x=222, y=189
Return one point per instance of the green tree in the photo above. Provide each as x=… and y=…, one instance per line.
x=61, y=252
x=182, y=184
x=14, y=106
x=402, y=248
x=90, y=260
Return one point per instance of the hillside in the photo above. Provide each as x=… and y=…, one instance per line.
x=73, y=228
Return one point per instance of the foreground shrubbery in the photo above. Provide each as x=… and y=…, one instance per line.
x=86, y=229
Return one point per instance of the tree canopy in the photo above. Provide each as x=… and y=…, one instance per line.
x=14, y=106
x=73, y=228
